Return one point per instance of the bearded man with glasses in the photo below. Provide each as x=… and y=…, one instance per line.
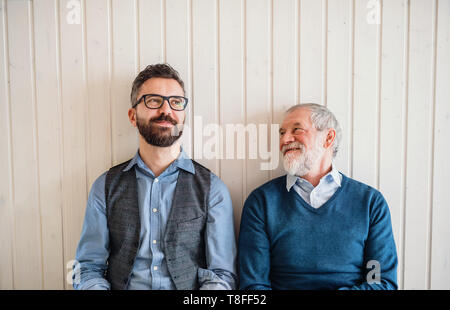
x=159, y=220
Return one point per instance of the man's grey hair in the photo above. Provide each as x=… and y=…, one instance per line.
x=322, y=119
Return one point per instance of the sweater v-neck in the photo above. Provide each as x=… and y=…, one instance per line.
x=323, y=207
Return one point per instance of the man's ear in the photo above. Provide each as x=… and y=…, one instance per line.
x=331, y=135
x=132, y=116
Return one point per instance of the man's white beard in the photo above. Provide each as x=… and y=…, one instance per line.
x=300, y=164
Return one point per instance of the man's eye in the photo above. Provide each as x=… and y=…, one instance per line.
x=153, y=101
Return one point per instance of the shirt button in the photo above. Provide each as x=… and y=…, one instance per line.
x=155, y=210
x=155, y=268
x=156, y=180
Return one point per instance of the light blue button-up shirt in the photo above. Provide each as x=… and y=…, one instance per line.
x=155, y=197
x=315, y=196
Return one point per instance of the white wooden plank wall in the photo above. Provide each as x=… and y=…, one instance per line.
x=66, y=73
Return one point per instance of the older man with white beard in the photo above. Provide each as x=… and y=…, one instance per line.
x=315, y=228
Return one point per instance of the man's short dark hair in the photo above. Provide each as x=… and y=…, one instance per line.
x=154, y=71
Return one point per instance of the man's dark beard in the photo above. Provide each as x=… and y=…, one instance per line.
x=158, y=135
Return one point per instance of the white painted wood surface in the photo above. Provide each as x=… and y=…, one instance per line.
x=419, y=144
x=340, y=75
x=49, y=125
x=27, y=238
x=392, y=114
x=66, y=72
x=232, y=94
x=440, y=230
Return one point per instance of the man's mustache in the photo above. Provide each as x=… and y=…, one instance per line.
x=163, y=117
x=291, y=146
x=175, y=131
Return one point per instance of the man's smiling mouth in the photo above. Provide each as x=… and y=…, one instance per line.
x=291, y=150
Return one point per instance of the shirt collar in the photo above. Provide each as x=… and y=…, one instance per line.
x=332, y=176
x=182, y=162
x=290, y=181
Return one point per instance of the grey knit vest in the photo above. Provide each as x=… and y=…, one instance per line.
x=183, y=243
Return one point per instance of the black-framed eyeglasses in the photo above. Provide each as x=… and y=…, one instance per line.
x=155, y=101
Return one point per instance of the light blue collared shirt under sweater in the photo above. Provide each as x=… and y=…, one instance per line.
x=315, y=196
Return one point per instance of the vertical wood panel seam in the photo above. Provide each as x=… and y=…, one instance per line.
x=352, y=85
x=432, y=134
x=111, y=55
x=405, y=134
x=137, y=37
x=85, y=95
x=324, y=51
x=163, y=32
x=270, y=88
x=378, y=99
x=217, y=60
x=190, y=35
x=297, y=51
x=32, y=55
x=9, y=128
x=110, y=74
x=60, y=124
x=244, y=87
x=299, y=44
x=85, y=91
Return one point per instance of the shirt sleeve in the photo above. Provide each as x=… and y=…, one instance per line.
x=220, y=241
x=254, y=247
x=93, y=248
x=380, y=254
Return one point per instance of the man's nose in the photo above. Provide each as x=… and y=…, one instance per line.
x=165, y=108
x=286, y=138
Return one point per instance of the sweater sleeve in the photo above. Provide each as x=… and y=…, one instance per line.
x=380, y=254
x=254, y=247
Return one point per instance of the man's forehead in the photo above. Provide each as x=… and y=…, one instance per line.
x=157, y=84
x=300, y=116
x=285, y=126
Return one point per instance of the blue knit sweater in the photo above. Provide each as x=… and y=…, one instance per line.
x=284, y=243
